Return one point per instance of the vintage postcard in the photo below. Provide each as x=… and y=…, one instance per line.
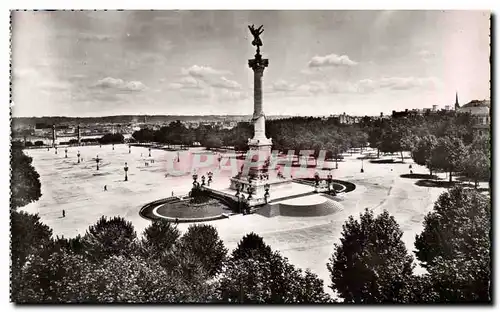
x=201, y=156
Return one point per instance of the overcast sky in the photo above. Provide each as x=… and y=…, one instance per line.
x=196, y=62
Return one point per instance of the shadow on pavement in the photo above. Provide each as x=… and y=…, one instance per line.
x=419, y=176
x=434, y=183
x=386, y=161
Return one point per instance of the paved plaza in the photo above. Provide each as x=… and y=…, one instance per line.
x=306, y=241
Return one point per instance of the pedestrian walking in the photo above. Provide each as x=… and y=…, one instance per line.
x=64, y=213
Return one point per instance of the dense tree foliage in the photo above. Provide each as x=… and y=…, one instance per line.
x=203, y=243
x=251, y=246
x=28, y=235
x=25, y=184
x=256, y=274
x=108, y=237
x=423, y=151
x=455, y=246
x=112, y=138
x=159, y=238
x=477, y=164
x=371, y=264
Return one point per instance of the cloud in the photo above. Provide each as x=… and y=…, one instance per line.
x=203, y=71
x=331, y=60
x=318, y=87
x=94, y=37
x=397, y=83
x=186, y=83
x=119, y=84
x=231, y=95
x=224, y=83
x=283, y=86
x=204, y=76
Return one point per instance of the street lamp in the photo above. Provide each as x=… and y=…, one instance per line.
x=209, y=174
x=78, y=155
x=97, y=160
x=266, y=189
x=237, y=189
x=250, y=192
x=126, y=169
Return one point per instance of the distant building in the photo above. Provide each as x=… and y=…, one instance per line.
x=480, y=111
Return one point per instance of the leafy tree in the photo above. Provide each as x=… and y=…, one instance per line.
x=269, y=279
x=449, y=155
x=251, y=246
x=132, y=279
x=50, y=278
x=25, y=184
x=455, y=243
x=144, y=135
x=203, y=242
x=28, y=235
x=422, y=154
x=159, y=237
x=371, y=265
x=110, y=138
x=212, y=141
x=110, y=237
x=69, y=277
x=477, y=166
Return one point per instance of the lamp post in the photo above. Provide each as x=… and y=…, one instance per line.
x=316, y=178
x=78, y=155
x=195, y=177
x=237, y=190
x=65, y=153
x=126, y=169
x=250, y=192
x=97, y=160
x=266, y=190
x=210, y=174
x=329, y=180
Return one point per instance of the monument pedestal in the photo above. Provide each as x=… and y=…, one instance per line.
x=255, y=176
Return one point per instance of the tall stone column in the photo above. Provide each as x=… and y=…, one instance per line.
x=53, y=135
x=78, y=135
x=259, y=141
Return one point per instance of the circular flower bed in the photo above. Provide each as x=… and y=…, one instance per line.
x=186, y=209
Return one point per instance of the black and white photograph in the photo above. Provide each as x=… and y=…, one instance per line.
x=251, y=157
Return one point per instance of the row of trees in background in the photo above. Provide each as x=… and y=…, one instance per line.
x=393, y=135
x=371, y=264
x=450, y=154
